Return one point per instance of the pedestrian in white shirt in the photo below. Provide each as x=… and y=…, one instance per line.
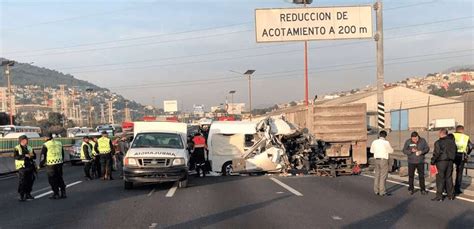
x=381, y=149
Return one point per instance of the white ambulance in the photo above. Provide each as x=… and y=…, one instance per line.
x=157, y=154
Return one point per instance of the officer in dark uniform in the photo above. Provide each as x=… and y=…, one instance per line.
x=53, y=158
x=443, y=157
x=25, y=164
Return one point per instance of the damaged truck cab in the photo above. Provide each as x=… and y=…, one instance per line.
x=157, y=154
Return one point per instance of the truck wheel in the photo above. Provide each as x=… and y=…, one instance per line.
x=183, y=183
x=227, y=169
x=128, y=185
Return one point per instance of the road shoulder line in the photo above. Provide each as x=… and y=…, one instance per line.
x=432, y=191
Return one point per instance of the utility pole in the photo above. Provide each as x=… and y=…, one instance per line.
x=63, y=99
x=102, y=114
x=380, y=66
x=89, y=98
x=11, y=98
x=127, y=113
x=249, y=73
x=110, y=112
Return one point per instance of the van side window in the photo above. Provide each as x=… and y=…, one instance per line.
x=249, y=140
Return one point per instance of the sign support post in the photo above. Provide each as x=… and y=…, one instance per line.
x=380, y=67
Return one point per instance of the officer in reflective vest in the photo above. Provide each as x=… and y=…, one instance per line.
x=96, y=170
x=106, y=149
x=86, y=157
x=25, y=165
x=53, y=158
x=464, y=149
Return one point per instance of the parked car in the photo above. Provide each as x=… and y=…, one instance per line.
x=75, y=152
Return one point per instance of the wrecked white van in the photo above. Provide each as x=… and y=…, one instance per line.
x=243, y=147
x=157, y=154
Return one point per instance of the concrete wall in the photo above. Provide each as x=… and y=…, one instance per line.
x=416, y=103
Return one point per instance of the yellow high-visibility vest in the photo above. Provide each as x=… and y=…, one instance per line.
x=83, y=154
x=21, y=163
x=104, y=145
x=94, y=153
x=55, y=152
x=461, y=142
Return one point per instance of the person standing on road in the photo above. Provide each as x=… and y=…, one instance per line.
x=381, y=149
x=199, y=149
x=123, y=148
x=25, y=164
x=443, y=157
x=106, y=149
x=464, y=148
x=52, y=155
x=416, y=148
x=95, y=164
x=86, y=157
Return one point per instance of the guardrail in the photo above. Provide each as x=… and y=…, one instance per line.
x=7, y=163
x=7, y=145
x=401, y=157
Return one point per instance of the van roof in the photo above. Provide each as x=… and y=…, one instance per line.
x=234, y=127
x=171, y=127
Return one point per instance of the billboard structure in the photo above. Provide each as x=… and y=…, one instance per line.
x=170, y=106
x=235, y=108
x=198, y=110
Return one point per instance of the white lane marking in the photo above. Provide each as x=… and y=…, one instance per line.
x=335, y=217
x=153, y=225
x=172, y=190
x=49, y=192
x=151, y=192
x=400, y=183
x=292, y=190
x=8, y=177
x=280, y=192
x=40, y=190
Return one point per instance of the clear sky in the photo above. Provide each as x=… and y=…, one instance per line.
x=184, y=49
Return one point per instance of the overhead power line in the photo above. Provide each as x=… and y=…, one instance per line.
x=256, y=55
x=73, y=18
x=131, y=39
x=175, y=40
x=319, y=69
x=231, y=50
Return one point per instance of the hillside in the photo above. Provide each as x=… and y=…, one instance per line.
x=27, y=74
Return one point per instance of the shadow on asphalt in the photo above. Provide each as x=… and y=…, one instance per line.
x=395, y=188
x=219, y=217
x=203, y=181
x=382, y=219
x=464, y=220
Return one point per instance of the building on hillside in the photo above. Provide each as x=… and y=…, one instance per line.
x=405, y=108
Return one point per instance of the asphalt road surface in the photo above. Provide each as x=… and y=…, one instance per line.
x=229, y=202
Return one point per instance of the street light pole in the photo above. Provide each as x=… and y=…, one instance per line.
x=249, y=73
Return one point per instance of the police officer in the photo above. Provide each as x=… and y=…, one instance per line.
x=106, y=149
x=198, y=154
x=86, y=157
x=443, y=157
x=463, y=145
x=53, y=158
x=95, y=164
x=25, y=164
